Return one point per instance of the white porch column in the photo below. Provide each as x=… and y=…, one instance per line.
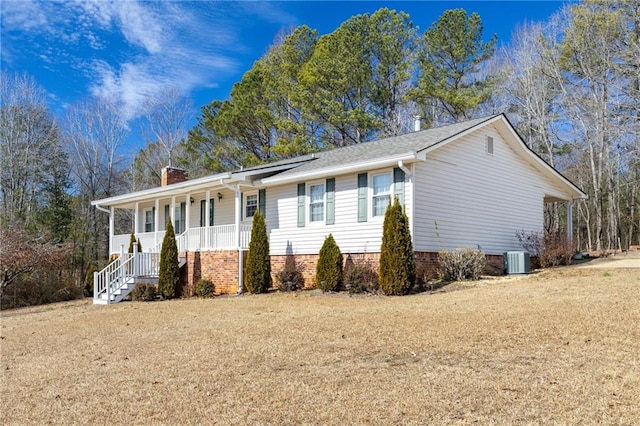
x=112, y=227
x=172, y=213
x=187, y=212
x=238, y=236
x=205, y=214
x=136, y=219
x=570, y=222
x=156, y=222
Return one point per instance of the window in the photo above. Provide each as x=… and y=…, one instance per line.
x=316, y=202
x=203, y=212
x=149, y=220
x=489, y=145
x=180, y=216
x=251, y=205
x=381, y=193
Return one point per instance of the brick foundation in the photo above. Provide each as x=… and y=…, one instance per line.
x=221, y=267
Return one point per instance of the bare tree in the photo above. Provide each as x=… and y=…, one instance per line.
x=95, y=133
x=29, y=147
x=166, y=120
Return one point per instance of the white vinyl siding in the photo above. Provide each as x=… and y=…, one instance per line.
x=351, y=236
x=466, y=198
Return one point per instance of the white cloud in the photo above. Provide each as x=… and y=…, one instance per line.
x=131, y=50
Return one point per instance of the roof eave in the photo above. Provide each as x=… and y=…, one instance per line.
x=407, y=157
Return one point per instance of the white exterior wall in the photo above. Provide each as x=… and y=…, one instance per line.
x=350, y=235
x=468, y=198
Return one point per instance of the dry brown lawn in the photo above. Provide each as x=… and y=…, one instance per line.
x=556, y=347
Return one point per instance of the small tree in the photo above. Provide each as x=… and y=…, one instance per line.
x=290, y=277
x=397, y=264
x=258, y=262
x=132, y=241
x=169, y=277
x=329, y=268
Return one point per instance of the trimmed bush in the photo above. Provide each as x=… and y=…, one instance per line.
x=144, y=293
x=360, y=277
x=205, y=288
x=169, y=276
x=397, y=272
x=258, y=279
x=329, y=267
x=461, y=264
x=290, y=277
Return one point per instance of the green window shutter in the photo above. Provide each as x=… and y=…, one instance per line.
x=211, y=208
x=242, y=210
x=362, y=197
x=301, y=200
x=203, y=214
x=167, y=215
x=330, y=189
x=398, y=184
x=262, y=201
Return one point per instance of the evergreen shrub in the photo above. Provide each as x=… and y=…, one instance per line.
x=290, y=277
x=169, y=276
x=329, y=267
x=258, y=277
x=205, y=288
x=144, y=293
x=397, y=272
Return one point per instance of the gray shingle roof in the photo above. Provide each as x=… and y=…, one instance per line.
x=395, y=145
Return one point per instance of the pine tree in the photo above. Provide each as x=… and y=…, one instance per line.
x=329, y=267
x=397, y=264
x=258, y=278
x=169, y=277
x=132, y=241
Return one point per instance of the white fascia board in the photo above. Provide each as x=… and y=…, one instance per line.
x=168, y=190
x=408, y=157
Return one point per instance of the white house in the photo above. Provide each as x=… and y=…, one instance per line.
x=471, y=184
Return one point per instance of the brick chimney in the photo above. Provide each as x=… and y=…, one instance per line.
x=171, y=175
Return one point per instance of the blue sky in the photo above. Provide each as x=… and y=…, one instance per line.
x=130, y=49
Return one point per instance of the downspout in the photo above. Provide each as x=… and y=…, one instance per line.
x=238, y=218
x=409, y=173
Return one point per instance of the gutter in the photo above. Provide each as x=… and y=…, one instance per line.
x=335, y=170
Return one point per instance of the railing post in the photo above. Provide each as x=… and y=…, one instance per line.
x=136, y=269
x=96, y=284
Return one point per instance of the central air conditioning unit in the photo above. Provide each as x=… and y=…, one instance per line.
x=517, y=262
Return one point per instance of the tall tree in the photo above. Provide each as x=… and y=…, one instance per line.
x=95, y=132
x=31, y=157
x=451, y=62
x=590, y=52
x=166, y=117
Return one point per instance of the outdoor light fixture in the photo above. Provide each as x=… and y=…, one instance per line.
x=219, y=196
x=192, y=200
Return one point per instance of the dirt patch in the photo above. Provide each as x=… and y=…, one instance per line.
x=558, y=346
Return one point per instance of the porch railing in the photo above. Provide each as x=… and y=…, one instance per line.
x=122, y=270
x=219, y=237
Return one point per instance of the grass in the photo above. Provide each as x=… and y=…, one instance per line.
x=557, y=347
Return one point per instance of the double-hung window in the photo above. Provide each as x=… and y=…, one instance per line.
x=381, y=193
x=316, y=202
x=149, y=220
x=251, y=205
